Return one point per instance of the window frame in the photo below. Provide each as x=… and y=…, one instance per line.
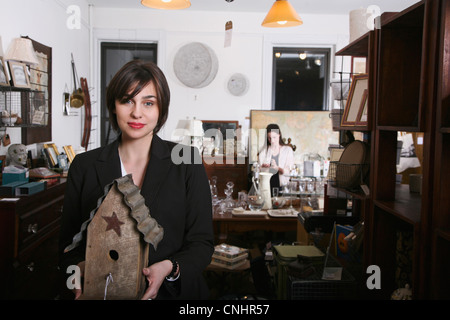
x=327, y=51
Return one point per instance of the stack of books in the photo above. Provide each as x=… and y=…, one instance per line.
x=229, y=257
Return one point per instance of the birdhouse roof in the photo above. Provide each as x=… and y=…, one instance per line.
x=152, y=232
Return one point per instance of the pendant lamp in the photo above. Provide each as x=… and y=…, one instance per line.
x=167, y=4
x=282, y=14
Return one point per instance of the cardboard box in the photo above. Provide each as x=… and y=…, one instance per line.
x=9, y=177
x=30, y=188
x=9, y=189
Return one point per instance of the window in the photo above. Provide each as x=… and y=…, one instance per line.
x=300, y=79
x=113, y=56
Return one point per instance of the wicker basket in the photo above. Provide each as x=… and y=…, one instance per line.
x=314, y=288
x=348, y=176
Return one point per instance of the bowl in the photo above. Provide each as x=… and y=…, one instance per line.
x=278, y=202
x=9, y=121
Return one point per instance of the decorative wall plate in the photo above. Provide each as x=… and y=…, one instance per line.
x=238, y=84
x=195, y=65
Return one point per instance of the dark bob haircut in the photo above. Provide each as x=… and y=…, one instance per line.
x=129, y=81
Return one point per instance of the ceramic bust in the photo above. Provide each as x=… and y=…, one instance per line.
x=17, y=155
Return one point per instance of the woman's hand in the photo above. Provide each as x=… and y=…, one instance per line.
x=274, y=166
x=155, y=274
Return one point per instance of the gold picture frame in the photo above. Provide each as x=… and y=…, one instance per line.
x=69, y=152
x=19, y=74
x=51, y=151
x=362, y=118
x=354, y=101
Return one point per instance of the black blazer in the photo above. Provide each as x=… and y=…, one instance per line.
x=177, y=195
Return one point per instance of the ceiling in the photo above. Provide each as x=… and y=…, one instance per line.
x=301, y=6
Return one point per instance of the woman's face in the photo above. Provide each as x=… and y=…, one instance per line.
x=138, y=116
x=273, y=138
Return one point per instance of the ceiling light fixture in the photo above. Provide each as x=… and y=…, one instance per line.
x=167, y=4
x=282, y=14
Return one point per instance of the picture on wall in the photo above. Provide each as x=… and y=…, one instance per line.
x=218, y=131
x=310, y=131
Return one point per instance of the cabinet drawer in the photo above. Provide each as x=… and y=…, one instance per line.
x=36, y=270
x=36, y=223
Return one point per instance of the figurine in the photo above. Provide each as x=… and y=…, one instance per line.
x=17, y=155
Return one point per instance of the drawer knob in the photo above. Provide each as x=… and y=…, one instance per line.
x=30, y=266
x=33, y=228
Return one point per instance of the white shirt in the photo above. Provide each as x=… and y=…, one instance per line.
x=285, y=161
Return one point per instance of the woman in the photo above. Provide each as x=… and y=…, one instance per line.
x=177, y=195
x=276, y=155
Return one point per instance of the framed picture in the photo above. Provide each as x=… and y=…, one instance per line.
x=51, y=151
x=362, y=114
x=19, y=74
x=311, y=131
x=358, y=88
x=219, y=132
x=358, y=65
x=69, y=152
x=4, y=80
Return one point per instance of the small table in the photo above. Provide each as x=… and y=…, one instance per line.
x=226, y=223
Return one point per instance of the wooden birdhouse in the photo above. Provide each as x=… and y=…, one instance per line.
x=117, y=244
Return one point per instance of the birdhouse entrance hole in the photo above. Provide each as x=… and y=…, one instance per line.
x=113, y=254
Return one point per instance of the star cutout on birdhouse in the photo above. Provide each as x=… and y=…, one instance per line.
x=113, y=223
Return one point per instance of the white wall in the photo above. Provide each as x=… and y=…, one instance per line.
x=250, y=53
x=45, y=22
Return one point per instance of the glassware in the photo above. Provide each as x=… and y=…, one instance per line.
x=242, y=200
x=275, y=192
x=229, y=202
x=255, y=196
x=291, y=187
x=214, y=191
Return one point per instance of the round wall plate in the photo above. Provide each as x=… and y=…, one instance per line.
x=238, y=84
x=195, y=65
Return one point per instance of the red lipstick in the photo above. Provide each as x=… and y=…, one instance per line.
x=136, y=125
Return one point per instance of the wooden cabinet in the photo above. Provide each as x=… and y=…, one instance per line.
x=440, y=217
x=226, y=169
x=29, y=231
x=408, y=234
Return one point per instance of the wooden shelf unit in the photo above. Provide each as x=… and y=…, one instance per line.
x=409, y=90
x=440, y=220
x=411, y=46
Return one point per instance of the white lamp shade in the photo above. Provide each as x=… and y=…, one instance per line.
x=167, y=4
x=21, y=50
x=195, y=128
x=281, y=15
